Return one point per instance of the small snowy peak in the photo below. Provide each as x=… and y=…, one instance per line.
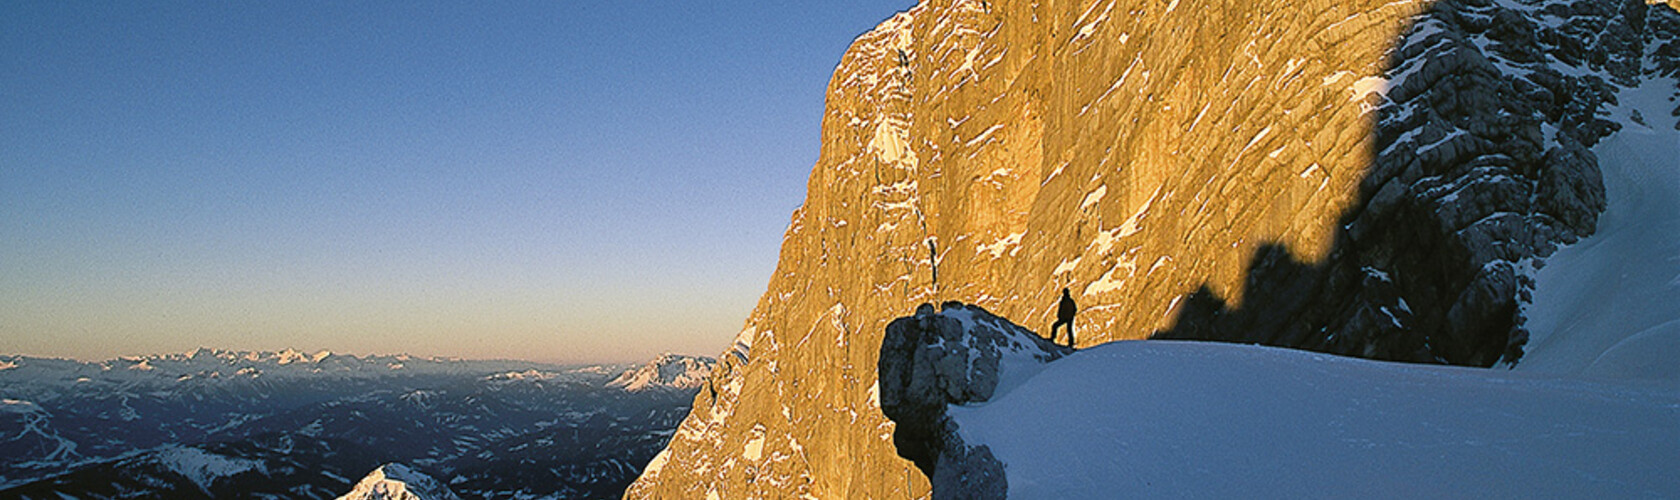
x=204, y=468
x=395, y=481
x=288, y=356
x=667, y=372
x=593, y=370
x=532, y=375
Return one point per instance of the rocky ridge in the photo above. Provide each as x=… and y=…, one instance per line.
x=1178, y=167
x=1483, y=168
x=666, y=372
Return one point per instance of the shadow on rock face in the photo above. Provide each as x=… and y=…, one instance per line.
x=1482, y=167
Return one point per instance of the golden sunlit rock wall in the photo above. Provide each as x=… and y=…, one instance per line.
x=1131, y=150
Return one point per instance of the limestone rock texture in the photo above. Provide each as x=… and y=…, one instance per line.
x=1148, y=155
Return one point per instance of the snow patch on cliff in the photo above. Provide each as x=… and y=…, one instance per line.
x=1010, y=244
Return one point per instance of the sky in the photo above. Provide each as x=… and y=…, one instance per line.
x=559, y=181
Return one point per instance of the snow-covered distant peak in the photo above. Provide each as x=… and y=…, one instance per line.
x=211, y=366
x=529, y=374
x=668, y=371
x=290, y=356
x=396, y=481
x=593, y=370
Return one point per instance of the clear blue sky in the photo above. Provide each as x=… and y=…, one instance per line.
x=553, y=181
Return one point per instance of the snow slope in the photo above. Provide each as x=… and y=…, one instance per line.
x=1609, y=306
x=204, y=468
x=1209, y=420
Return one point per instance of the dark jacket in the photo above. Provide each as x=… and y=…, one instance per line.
x=1066, y=310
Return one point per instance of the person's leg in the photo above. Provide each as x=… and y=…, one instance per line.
x=1070, y=334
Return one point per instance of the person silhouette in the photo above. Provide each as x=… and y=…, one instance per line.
x=1064, y=316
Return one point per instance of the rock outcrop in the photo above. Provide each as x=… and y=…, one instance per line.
x=958, y=355
x=1381, y=172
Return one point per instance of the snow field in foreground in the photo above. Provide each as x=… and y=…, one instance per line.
x=1207, y=420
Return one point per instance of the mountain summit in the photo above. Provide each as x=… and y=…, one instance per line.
x=1366, y=177
x=668, y=371
x=399, y=482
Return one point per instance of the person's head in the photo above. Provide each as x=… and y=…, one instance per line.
x=1064, y=290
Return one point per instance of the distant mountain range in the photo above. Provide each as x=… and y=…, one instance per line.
x=219, y=424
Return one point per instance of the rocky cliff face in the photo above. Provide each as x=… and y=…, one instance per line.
x=1482, y=168
x=1375, y=174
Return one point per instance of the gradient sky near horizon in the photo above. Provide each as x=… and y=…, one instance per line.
x=566, y=181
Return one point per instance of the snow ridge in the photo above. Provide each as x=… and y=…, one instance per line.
x=667, y=372
x=205, y=468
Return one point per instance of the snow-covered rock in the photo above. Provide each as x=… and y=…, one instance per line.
x=668, y=371
x=961, y=354
x=399, y=482
x=1488, y=150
